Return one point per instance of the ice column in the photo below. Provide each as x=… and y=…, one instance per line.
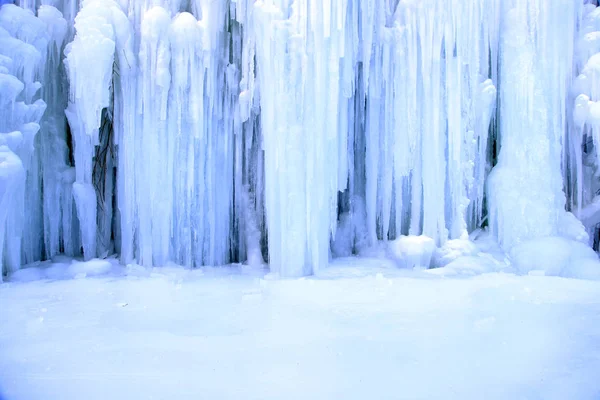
x=298, y=49
x=525, y=188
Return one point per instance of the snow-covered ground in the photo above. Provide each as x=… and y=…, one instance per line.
x=362, y=329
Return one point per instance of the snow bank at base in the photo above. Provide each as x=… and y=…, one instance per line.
x=412, y=251
x=185, y=335
x=567, y=255
x=411, y=256
x=451, y=250
x=556, y=256
x=66, y=268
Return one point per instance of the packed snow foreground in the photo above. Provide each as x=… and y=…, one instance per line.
x=360, y=329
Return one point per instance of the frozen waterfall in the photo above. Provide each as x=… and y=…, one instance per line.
x=206, y=132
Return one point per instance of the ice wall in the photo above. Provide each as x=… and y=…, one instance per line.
x=203, y=132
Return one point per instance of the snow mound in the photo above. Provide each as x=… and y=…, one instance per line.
x=572, y=228
x=556, y=256
x=63, y=268
x=89, y=268
x=468, y=265
x=451, y=251
x=412, y=251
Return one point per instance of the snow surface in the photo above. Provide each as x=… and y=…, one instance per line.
x=360, y=329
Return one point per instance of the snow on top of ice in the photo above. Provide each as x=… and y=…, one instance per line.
x=26, y=58
x=56, y=25
x=89, y=61
x=11, y=139
x=155, y=24
x=5, y=62
x=10, y=165
x=10, y=87
x=581, y=110
x=22, y=24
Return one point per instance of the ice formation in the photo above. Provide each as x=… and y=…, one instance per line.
x=208, y=132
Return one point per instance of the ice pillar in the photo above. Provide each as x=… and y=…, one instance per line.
x=536, y=52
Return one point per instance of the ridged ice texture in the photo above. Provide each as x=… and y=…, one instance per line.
x=536, y=52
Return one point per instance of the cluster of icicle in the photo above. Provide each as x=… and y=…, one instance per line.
x=178, y=145
x=33, y=149
x=388, y=103
x=206, y=132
